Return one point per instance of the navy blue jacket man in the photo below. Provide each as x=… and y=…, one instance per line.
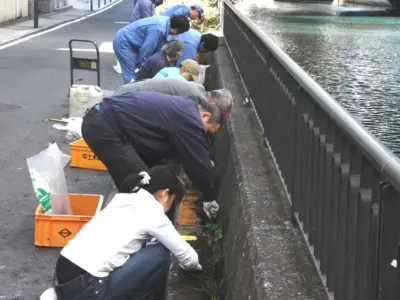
x=168, y=55
x=132, y=132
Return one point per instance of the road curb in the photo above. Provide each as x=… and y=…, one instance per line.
x=58, y=24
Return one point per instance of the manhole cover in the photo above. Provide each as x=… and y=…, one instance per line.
x=9, y=107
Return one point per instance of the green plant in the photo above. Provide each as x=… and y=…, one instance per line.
x=214, y=285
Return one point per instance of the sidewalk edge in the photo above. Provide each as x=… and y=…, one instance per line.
x=90, y=13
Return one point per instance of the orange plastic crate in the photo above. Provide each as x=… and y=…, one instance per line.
x=83, y=157
x=57, y=230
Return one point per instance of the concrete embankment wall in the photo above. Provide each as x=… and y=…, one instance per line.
x=265, y=257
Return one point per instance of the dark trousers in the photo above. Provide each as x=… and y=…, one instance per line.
x=120, y=158
x=142, y=277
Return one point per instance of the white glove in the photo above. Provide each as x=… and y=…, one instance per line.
x=197, y=268
x=211, y=209
x=212, y=163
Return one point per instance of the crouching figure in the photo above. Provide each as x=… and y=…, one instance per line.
x=124, y=252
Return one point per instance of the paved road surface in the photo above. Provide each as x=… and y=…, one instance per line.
x=34, y=81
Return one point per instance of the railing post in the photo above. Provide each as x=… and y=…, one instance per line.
x=36, y=14
x=221, y=14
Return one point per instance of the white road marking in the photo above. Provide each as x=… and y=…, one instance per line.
x=59, y=26
x=105, y=47
x=116, y=22
x=76, y=49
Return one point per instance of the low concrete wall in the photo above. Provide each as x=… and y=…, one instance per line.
x=13, y=9
x=265, y=257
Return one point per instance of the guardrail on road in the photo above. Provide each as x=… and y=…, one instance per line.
x=342, y=182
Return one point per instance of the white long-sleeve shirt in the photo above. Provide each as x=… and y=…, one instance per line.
x=120, y=230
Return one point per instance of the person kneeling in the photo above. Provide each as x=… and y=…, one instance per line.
x=109, y=259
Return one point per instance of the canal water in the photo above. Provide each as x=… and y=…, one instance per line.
x=356, y=58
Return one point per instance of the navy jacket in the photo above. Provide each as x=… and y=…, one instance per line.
x=161, y=126
x=153, y=65
x=144, y=9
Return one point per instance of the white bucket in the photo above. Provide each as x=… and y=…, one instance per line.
x=83, y=97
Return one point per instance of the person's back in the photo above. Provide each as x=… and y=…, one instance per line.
x=170, y=72
x=169, y=86
x=153, y=122
x=169, y=54
x=137, y=32
x=192, y=40
x=152, y=65
x=132, y=212
x=179, y=9
x=143, y=9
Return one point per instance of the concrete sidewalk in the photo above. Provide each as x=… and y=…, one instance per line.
x=20, y=29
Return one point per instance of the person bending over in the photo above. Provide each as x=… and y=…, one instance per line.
x=195, y=43
x=135, y=131
x=168, y=55
x=193, y=12
x=139, y=40
x=189, y=70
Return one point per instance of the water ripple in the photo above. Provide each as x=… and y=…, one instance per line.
x=356, y=59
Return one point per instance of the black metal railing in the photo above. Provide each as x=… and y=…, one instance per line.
x=342, y=182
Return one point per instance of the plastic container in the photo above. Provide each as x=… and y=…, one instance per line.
x=83, y=97
x=83, y=157
x=56, y=230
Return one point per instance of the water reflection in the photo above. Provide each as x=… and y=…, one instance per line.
x=355, y=58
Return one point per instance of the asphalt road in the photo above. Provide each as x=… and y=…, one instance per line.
x=34, y=83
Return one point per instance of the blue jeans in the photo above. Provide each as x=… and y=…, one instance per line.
x=127, y=57
x=140, y=278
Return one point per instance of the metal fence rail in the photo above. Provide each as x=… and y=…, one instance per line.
x=342, y=182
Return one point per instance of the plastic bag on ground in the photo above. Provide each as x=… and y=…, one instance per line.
x=49, y=294
x=48, y=179
x=73, y=128
x=202, y=75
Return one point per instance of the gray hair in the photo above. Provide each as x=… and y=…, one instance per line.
x=221, y=98
x=217, y=115
x=173, y=48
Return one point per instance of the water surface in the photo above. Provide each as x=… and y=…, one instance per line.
x=355, y=58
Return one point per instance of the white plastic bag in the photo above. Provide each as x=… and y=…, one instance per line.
x=48, y=180
x=49, y=294
x=73, y=128
x=202, y=76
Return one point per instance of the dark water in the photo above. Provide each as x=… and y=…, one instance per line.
x=355, y=58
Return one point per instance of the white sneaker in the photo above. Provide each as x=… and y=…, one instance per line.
x=49, y=294
x=117, y=68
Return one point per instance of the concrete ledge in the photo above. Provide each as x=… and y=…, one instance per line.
x=265, y=257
